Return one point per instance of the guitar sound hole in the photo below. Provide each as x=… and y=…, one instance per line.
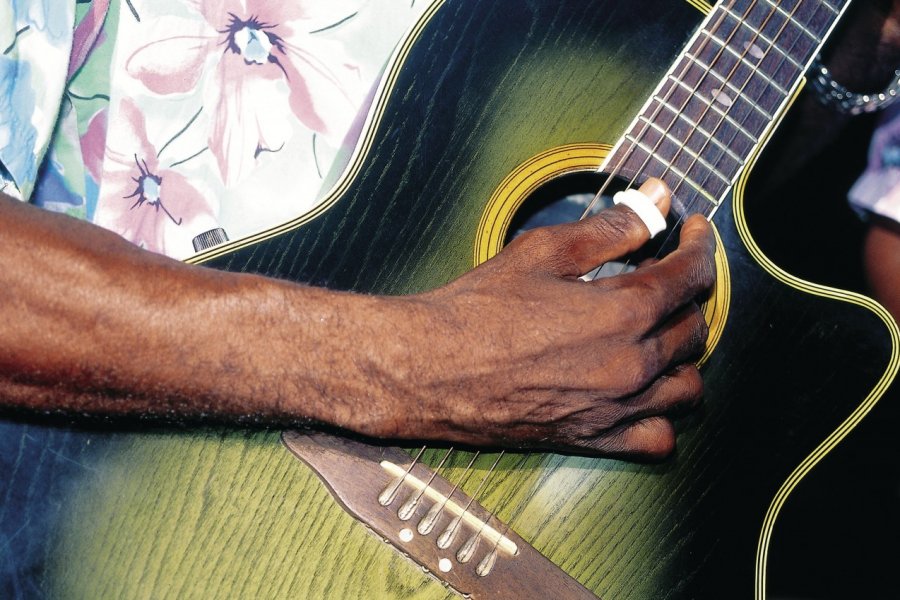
x=564, y=199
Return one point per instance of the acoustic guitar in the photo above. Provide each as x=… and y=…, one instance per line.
x=489, y=107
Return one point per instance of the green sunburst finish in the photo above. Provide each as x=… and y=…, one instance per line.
x=231, y=514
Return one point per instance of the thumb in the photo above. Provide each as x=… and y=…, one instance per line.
x=573, y=249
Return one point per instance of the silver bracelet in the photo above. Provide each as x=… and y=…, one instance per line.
x=832, y=94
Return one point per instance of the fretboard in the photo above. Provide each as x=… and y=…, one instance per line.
x=718, y=102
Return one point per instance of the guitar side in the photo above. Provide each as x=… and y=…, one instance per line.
x=232, y=514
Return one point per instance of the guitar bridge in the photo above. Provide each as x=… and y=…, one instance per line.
x=431, y=521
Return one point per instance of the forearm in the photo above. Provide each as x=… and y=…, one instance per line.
x=518, y=352
x=95, y=325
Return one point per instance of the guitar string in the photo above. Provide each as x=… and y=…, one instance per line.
x=703, y=79
x=704, y=41
x=726, y=112
x=622, y=161
x=520, y=506
x=775, y=39
x=400, y=481
x=628, y=146
x=503, y=500
x=451, y=533
x=464, y=478
x=414, y=501
x=817, y=7
x=682, y=109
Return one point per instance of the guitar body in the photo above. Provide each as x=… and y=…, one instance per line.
x=486, y=85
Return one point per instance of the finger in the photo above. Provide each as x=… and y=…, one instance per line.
x=674, y=393
x=658, y=290
x=648, y=439
x=679, y=339
x=647, y=262
x=573, y=249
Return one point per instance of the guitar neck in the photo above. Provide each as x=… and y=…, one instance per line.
x=721, y=97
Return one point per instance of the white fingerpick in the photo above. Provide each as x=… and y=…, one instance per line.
x=641, y=204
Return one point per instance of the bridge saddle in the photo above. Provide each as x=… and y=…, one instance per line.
x=431, y=521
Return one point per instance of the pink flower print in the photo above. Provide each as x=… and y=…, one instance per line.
x=93, y=143
x=148, y=189
x=146, y=203
x=270, y=64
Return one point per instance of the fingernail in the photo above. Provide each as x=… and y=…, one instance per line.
x=656, y=190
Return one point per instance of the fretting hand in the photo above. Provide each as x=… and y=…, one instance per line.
x=521, y=352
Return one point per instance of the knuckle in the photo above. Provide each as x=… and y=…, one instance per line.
x=639, y=305
x=651, y=357
x=708, y=269
x=692, y=383
x=535, y=246
x=699, y=330
x=642, y=369
x=703, y=261
x=700, y=257
x=614, y=224
x=701, y=273
x=532, y=239
x=662, y=439
x=650, y=439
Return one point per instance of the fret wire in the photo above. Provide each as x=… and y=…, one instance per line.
x=627, y=151
x=830, y=7
x=734, y=68
x=724, y=115
x=817, y=16
x=794, y=43
x=748, y=64
x=698, y=127
x=729, y=85
x=785, y=55
x=699, y=204
x=744, y=63
x=817, y=6
x=783, y=26
x=790, y=18
x=652, y=154
x=691, y=93
x=772, y=44
x=716, y=109
x=684, y=145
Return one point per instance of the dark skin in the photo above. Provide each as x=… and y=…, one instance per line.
x=881, y=254
x=518, y=352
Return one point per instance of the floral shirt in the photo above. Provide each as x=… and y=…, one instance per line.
x=166, y=120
